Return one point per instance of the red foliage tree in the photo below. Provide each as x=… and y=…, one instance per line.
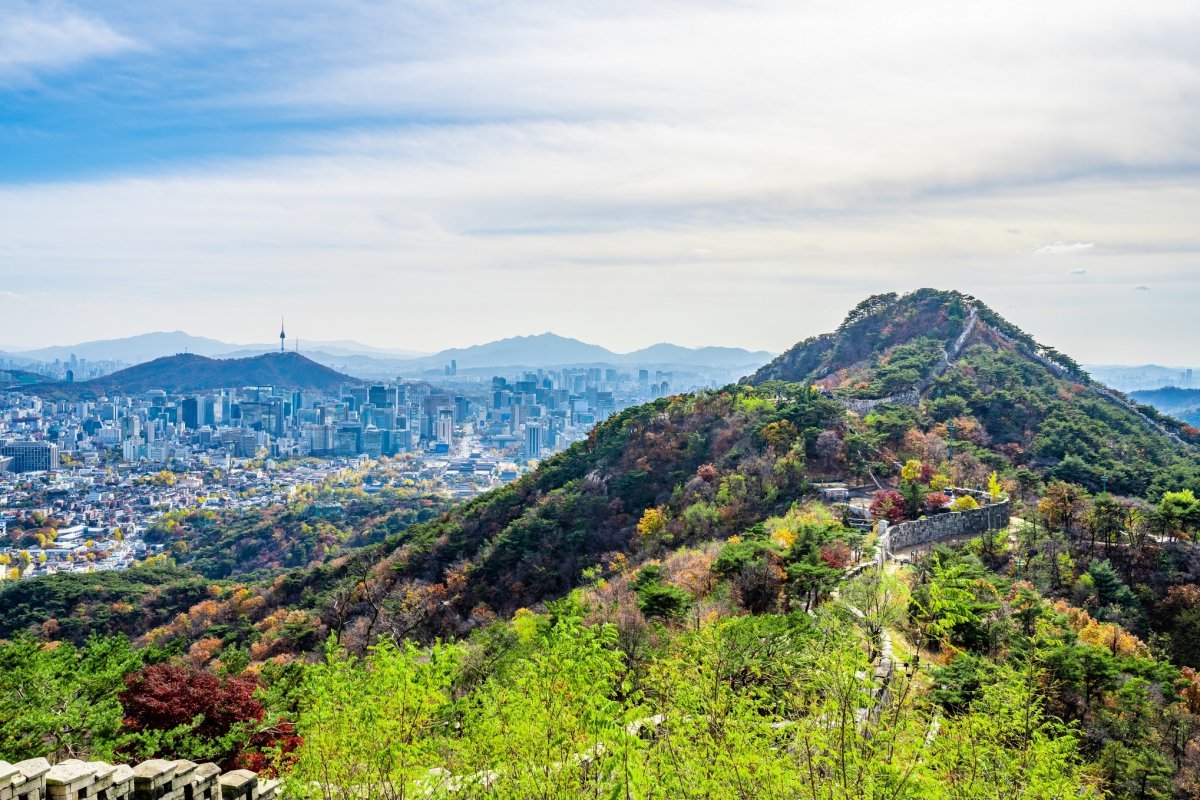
x=258, y=756
x=837, y=554
x=888, y=504
x=165, y=696
x=937, y=501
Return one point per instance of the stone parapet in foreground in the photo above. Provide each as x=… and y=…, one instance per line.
x=157, y=779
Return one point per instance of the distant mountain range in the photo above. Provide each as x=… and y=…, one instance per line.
x=188, y=372
x=149, y=346
x=1182, y=404
x=549, y=349
x=1129, y=378
x=543, y=350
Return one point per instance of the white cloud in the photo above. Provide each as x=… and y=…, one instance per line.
x=1063, y=248
x=515, y=151
x=36, y=36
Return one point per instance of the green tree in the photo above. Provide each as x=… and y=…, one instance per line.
x=1178, y=513
x=62, y=701
x=369, y=727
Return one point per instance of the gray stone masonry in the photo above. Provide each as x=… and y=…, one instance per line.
x=992, y=517
x=157, y=779
x=32, y=784
x=239, y=784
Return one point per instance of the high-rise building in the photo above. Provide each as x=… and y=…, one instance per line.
x=372, y=441
x=358, y=397
x=462, y=409
x=191, y=415
x=381, y=396
x=210, y=410
x=31, y=456
x=445, y=426
x=533, y=440
x=131, y=427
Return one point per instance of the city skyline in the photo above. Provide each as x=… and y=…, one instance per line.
x=736, y=175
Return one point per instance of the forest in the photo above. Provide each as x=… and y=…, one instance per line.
x=669, y=609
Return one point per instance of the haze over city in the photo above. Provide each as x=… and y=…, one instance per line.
x=422, y=176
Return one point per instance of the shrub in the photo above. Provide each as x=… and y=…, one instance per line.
x=937, y=501
x=735, y=556
x=662, y=600
x=964, y=503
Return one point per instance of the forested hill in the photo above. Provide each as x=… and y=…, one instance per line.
x=889, y=343
x=931, y=359
x=687, y=470
x=678, y=569
x=188, y=372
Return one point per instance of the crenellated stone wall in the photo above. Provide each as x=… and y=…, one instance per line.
x=991, y=517
x=860, y=406
x=157, y=779
x=912, y=397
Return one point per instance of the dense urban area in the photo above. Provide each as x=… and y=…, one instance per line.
x=82, y=480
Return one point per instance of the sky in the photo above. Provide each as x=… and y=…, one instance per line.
x=432, y=174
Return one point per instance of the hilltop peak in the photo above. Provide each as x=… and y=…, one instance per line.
x=191, y=372
x=890, y=342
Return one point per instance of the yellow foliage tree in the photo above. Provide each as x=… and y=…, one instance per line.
x=964, y=502
x=653, y=525
x=994, y=488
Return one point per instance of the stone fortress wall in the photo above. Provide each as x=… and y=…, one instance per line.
x=157, y=779
x=992, y=517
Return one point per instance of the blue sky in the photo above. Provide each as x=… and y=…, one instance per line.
x=432, y=174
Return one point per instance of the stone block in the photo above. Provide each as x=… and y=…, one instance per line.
x=122, y=783
x=33, y=768
x=8, y=774
x=70, y=780
x=152, y=779
x=204, y=782
x=184, y=779
x=239, y=783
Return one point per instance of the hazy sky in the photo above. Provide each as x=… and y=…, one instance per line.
x=428, y=174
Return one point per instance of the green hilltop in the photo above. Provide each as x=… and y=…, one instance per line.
x=188, y=372
x=674, y=596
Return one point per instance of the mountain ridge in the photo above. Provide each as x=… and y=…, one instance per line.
x=545, y=349
x=189, y=372
x=149, y=346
